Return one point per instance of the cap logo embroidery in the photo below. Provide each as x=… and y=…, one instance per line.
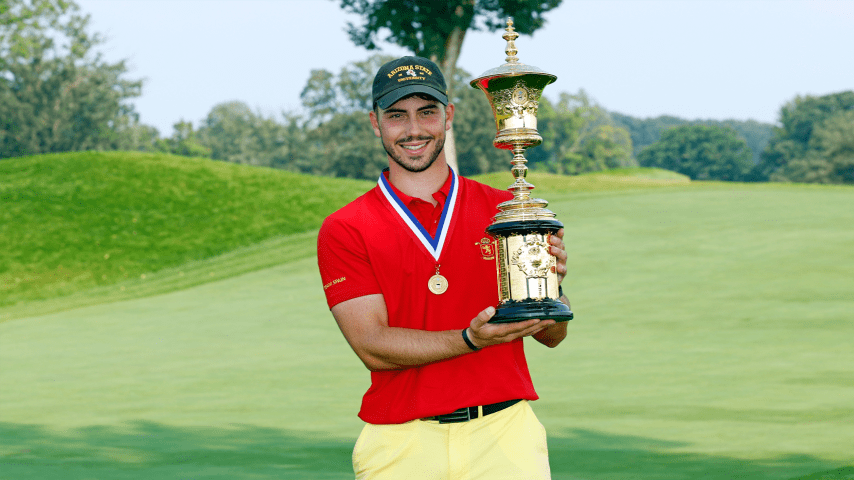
x=406, y=76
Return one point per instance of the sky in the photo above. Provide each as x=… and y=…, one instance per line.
x=695, y=59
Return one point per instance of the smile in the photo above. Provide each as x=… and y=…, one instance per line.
x=414, y=147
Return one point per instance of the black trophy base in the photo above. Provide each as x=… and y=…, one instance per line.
x=547, y=309
x=506, y=229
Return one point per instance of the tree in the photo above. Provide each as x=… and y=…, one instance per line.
x=56, y=93
x=579, y=136
x=793, y=140
x=647, y=131
x=701, y=152
x=345, y=146
x=232, y=132
x=436, y=30
x=228, y=130
x=184, y=141
x=326, y=94
x=608, y=146
x=830, y=157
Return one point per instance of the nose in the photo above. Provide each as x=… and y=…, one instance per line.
x=413, y=126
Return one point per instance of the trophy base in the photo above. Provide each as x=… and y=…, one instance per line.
x=546, y=309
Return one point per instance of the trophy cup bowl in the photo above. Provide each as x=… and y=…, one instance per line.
x=527, y=272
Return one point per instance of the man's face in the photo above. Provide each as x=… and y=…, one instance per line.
x=413, y=131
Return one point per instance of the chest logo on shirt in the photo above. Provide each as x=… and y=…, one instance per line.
x=487, y=248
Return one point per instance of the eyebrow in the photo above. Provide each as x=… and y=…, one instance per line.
x=400, y=110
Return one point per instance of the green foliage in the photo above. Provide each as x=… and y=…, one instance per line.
x=184, y=141
x=701, y=152
x=345, y=146
x=56, y=94
x=648, y=131
x=813, y=143
x=76, y=221
x=607, y=146
x=135, y=136
x=579, y=136
x=327, y=94
x=424, y=27
x=232, y=132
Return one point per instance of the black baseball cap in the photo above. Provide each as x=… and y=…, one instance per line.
x=405, y=76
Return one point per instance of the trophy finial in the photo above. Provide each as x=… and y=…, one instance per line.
x=510, y=35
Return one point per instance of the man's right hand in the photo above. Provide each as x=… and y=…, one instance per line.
x=483, y=334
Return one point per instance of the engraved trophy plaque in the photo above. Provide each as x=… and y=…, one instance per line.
x=527, y=274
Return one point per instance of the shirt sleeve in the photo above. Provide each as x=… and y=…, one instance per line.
x=342, y=258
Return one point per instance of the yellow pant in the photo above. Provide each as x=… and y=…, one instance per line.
x=510, y=444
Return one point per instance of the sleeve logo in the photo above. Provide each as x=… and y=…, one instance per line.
x=334, y=282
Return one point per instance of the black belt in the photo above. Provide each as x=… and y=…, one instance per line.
x=468, y=413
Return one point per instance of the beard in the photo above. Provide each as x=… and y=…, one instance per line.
x=415, y=164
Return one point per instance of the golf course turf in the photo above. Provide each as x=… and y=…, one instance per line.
x=711, y=340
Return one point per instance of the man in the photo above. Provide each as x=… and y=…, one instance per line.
x=412, y=292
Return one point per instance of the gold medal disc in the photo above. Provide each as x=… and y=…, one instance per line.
x=438, y=284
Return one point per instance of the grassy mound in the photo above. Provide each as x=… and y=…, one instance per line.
x=75, y=221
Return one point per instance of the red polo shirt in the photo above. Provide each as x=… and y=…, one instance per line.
x=376, y=244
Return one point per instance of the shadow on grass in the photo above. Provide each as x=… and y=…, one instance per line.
x=584, y=454
x=142, y=450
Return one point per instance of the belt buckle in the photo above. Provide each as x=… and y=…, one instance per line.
x=457, y=416
x=468, y=413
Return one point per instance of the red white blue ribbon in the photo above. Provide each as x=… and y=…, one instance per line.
x=433, y=244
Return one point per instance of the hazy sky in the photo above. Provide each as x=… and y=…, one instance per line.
x=740, y=59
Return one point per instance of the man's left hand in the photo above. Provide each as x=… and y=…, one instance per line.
x=552, y=335
x=558, y=249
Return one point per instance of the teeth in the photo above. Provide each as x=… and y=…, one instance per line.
x=414, y=147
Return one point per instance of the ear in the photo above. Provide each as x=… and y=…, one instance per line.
x=449, y=115
x=375, y=123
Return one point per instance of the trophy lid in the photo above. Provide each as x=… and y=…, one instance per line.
x=512, y=68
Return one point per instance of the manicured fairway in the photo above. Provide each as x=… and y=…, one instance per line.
x=711, y=340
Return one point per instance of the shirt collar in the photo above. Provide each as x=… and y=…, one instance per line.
x=440, y=196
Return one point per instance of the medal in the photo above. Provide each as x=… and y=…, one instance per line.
x=438, y=284
x=433, y=244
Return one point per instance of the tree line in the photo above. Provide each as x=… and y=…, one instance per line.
x=58, y=94
x=333, y=136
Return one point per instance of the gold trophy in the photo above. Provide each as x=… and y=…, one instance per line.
x=527, y=272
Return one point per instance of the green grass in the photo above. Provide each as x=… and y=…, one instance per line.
x=267, y=253
x=711, y=340
x=71, y=222
x=623, y=180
